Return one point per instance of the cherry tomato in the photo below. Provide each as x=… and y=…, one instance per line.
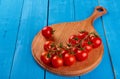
x=63, y=52
x=69, y=59
x=73, y=40
x=45, y=58
x=91, y=37
x=49, y=45
x=84, y=43
x=96, y=42
x=87, y=45
x=74, y=49
x=57, y=61
x=47, y=32
x=88, y=48
x=82, y=34
x=81, y=55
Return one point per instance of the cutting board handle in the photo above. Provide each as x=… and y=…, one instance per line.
x=99, y=11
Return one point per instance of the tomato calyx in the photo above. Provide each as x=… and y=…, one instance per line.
x=53, y=31
x=48, y=55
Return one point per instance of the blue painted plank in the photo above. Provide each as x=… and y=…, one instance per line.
x=111, y=26
x=60, y=11
x=9, y=23
x=10, y=9
x=0, y=2
x=84, y=9
x=34, y=17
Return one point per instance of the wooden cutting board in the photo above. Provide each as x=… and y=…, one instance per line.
x=62, y=33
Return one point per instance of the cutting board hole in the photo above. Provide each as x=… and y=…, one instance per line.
x=100, y=9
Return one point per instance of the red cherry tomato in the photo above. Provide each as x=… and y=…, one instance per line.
x=91, y=37
x=63, y=52
x=84, y=43
x=87, y=45
x=81, y=55
x=47, y=32
x=49, y=45
x=69, y=59
x=45, y=58
x=88, y=48
x=74, y=49
x=96, y=42
x=82, y=35
x=73, y=40
x=57, y=61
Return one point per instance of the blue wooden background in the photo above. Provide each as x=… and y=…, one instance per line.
x=21, y=20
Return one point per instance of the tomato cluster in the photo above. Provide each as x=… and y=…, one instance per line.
x=77, y=49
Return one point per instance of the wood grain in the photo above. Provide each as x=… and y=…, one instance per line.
x=63, y=32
